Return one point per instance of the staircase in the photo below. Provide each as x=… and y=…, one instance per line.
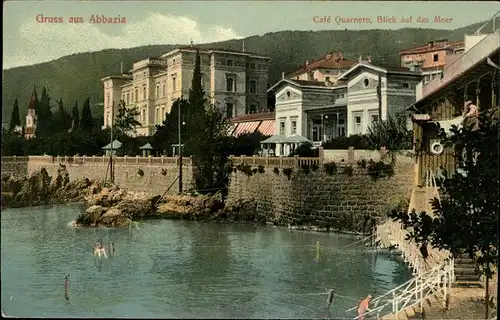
x=465, y=273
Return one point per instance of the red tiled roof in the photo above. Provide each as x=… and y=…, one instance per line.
x=267, y=127
x=254, y=117
x=437, y=46
x=330, y=60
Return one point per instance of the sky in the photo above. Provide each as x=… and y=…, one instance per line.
x=29, y=39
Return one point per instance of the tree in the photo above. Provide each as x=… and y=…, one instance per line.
x=466, y=219
x=393, y=134
x=15, y=119
x=75, y=116
x=166, y=134
x=197, y=100
x=45, y=122
x=86, y=122
x=126, y=120
x=63, y=120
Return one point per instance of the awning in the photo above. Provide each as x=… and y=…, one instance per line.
x=421, y=117
x=274, y=139
x=246, y=127
x=267, y=127
x=232, y=128
x=295, y=138
x=116, y=145
x=147, y=146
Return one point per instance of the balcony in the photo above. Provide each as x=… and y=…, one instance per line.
x=469, y=58
x=150, y=62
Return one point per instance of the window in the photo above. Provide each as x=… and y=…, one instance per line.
x=174, y=84
x=157, y=91
x=327, y=79
x=327, y=71
x=230, y=87
x=163, y=91
x=128, y=99
x=366, y=82
x=436, y=57
x=162, y=113
x=229, y=63
x=229, y=110
x=173, y=62
x=406, y=85
x=357, y=120
x=253, y=86
x=144, y=97
x=252, y=65
x=107, y=120
x=157, y=116
x=253, y=108
x=374, y=118
x=294, y=127
x=107, y=99
x=136, y=95
x=282, y=128
x=143, y=116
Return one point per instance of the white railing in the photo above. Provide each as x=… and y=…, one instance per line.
x=477, y=53
x=431, y=191
x=436, y=282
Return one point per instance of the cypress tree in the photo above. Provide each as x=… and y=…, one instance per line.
x=75, y=116
x=15, y=119
x=196, y=93
x=86, y=122
x=62, y=118
x=45, y=123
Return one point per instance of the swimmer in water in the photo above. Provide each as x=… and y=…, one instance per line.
x=100, y=250
x=111, y=248
x=363, y=307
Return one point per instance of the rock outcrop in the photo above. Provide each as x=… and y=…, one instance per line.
x=41, y=189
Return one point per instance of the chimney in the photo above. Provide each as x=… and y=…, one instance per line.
x=121, y=67
x=360, y=58
x=307, y=62
x=369, y=59
x=431, y=43
x=340, y=55
x=282, y=75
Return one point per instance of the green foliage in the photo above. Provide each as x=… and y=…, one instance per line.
x=348, y=170
x=314, y=167
x=288, y=172
x=75, y=117
x=305, y=149
x=62, y=118
x=342, y=143
x=379, y=169
x=167, y=133
x=261, y=169
x=245, y=168
x=393, y=134
x=362, y=163
x=45, y=122
x=140, y=172
x=330, y=168
x=276, y=170
x=466, y=218
x=246, y=144
x=86, y=122
x=305, y=168
x=15, y=120
x=126, y=121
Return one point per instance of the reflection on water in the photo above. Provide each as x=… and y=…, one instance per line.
x=182, y=269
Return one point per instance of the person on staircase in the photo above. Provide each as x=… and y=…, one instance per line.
x=363, y=307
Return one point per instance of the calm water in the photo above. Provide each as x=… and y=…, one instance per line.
x=179, y=269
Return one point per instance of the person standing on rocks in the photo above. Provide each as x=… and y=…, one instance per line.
x=364, y=307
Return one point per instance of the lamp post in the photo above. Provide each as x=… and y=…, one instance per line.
x=322, y=127
x=180, y=146
x=324, y=135
x=338, y=125
x=111, y=175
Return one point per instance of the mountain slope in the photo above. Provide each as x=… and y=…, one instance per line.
x=77, y=76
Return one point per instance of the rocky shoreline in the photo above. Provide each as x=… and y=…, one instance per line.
x=110, y=206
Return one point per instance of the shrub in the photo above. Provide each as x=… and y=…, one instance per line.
x=362, y=163
x=164, y=171
x=343, y=142
x=378, y=170
x=288, y=172
x=261, y=169
x=305, y=168
x=140, y=172
x=330, y=168
x=348, y=170
x=314, y=167
x=245, y=168
x=276, y=170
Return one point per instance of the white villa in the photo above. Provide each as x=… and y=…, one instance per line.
x=236, y=80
